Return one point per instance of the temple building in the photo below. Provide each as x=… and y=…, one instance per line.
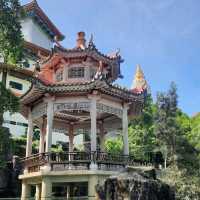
x=39, y=34
x=73, y=92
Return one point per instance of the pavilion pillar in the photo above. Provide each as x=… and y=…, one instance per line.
x=38, y=192
x=49, y=126
x=93, y=116
x=125, y=130
x=65, y=73
x=71, y=138
x=29, y=134
x=42, y=141
x=93, y=136
x=102, y=137
x=42, y=137
x=26, y=191
x=46, y=191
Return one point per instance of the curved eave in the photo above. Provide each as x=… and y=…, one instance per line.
x=93, y=52
x=39, y=88
x=32, y=95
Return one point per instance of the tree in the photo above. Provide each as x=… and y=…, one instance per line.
x=194, y=135
x=11, y=39
x=5, y=146
x=166, y=126
x=8, y=102
x=141, y=131
x=11, y=48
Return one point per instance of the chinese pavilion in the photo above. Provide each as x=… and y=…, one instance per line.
x=73, y=90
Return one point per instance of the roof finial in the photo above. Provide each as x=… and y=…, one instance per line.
x=91, y=39
x=118, y=52
x=56, y=40
x=139, y=82
x=91, y=44
x=35, y=2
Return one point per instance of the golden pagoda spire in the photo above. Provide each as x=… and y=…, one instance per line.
x=139, y=83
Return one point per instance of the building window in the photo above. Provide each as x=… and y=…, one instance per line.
x=59, y=75
x=76, y=72
x=15, y=85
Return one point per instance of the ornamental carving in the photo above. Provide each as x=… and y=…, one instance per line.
x=39, y=110
x=102, y=108
x=85, y=106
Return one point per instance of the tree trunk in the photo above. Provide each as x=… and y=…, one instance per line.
x=4, y=77
x=165, y=162
x=1, y=119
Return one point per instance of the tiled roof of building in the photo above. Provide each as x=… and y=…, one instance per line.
x=36, y=49
x=34, y=10
x=26, y=72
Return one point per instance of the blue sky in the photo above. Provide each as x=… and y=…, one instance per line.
x=163, y=36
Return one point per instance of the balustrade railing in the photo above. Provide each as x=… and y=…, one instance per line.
x=77, y=160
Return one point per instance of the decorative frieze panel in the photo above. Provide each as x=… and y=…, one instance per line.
x=85, y=106
x=102, y=108
x=39, y=110
x=60, y=130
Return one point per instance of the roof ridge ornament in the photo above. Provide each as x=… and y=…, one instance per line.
x=56, y=41
x=99, y=74
x=35, y=2
x=91, y=44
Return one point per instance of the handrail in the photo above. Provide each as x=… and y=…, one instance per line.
x=80, y=158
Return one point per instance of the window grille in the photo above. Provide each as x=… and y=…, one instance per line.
x=59, y=76
x=76, y=72
x=16, y=85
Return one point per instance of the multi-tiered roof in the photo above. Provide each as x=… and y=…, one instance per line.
x=102, y=71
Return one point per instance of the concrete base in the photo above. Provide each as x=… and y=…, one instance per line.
x=45, y=168
x=44, y=179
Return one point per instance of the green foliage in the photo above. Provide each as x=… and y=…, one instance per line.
x=11, y=40
x=19, y=146
x=166, y=126
x=56, y=148
x=142, y=139
x=194, y=135
x=8, y=102
x=187, y=187
x=114, y=145
x=5, y=146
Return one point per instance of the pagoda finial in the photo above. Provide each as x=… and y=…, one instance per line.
x=139, y=82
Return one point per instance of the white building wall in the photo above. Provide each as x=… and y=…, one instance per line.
x=18, y=127
x=26, y=84
x=34, y=34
